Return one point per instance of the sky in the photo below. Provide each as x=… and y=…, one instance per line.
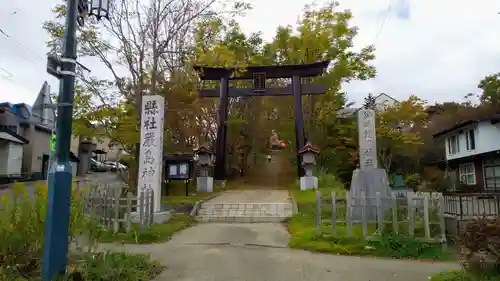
x=438, y=50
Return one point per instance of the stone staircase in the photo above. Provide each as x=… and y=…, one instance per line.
x=244, y=212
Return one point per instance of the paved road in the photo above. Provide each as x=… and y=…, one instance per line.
x=258, y=252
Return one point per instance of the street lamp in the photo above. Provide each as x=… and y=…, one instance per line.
x=55, y=247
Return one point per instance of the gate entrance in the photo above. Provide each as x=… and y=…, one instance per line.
x=259, y=75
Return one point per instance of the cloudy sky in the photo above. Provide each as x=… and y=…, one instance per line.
x=437, y=49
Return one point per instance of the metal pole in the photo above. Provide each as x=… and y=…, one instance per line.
x=55, y=248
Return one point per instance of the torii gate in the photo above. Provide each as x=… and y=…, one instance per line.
x=259, y=74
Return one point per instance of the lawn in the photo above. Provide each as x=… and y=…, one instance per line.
x=181, y=203
x=155, y=233
x=302, y=228
x=462, y=275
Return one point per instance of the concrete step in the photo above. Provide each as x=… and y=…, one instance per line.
x=240, y=219
x=247, y=206
x=245, y=212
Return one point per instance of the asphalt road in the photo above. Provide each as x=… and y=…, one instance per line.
x=258, y=252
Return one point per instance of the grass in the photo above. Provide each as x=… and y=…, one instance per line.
x=462, y=275
x=302, y=228
x=155, y=233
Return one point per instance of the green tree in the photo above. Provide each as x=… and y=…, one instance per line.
x=140, y=46
x=490, y=86
x=398, y=131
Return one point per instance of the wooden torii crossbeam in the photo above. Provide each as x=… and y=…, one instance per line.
x=259, y=75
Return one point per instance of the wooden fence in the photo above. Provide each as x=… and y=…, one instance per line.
x=116, y=210
x=421, y=217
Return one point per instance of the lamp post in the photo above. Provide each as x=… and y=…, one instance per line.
x=55, y=247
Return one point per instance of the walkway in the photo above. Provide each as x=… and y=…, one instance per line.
x=258, y=252
x=252, y=196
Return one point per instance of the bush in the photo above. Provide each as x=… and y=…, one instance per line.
x=22, y=226
x=113, y=266
x=22, y=221
x=481, y=246
x=330, y=181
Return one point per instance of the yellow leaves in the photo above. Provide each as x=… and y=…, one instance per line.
x=397, y=124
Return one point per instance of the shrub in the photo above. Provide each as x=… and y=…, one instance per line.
x=481, y=246
x=328, y=180
x=22, y=225
x=22, y=221
x=113, y=266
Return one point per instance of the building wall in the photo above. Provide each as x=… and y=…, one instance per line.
x=15, y=158
x=8, y=118
x=11, y=154
x=486, y=136
x=40, y=145
x=4, y=157
x=478, y=170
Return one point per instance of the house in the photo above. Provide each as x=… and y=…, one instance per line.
x=101, y=148
x=381, y=101
x=472, y=150
x=11, y=153
x=33, y=126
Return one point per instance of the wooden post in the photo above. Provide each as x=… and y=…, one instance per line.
x=128, y=223
x=441, y=220
x=116, y=221
x=220, y=147
x=395, y=222
x=411, y=227
x=363, y=214
x=426, y=217
x=380, y=215
x=334, y=212
x=105, y=206
x=318, y=212
x=151, y=207
x=348, y=213
x=298, y=120
x=141, y=210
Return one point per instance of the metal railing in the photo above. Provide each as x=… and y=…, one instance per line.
x=465, y=206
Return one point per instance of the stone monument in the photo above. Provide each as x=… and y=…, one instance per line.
x=308, y=155
x=204, y=182
x=368, y=178
x=151, y=154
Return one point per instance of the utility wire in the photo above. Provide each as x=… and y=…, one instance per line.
x=384, y=20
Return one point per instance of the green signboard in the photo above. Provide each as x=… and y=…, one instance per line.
x=53, y=143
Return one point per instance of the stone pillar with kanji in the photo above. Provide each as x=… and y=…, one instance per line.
x=204, y=182
x=308, y=154
x=150, y=174
x=368, y=179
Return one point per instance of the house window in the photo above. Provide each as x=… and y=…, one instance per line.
x=470, y=140
x=453, y=145
x=467, y=173
x=12, y=128
x=492, y=174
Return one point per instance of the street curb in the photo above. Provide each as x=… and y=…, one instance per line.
x=295, y=209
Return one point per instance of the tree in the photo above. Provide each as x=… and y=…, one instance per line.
x=370, y=102
x=398, y=131
x=212, y=39
x=490, y=85
x=149, y=41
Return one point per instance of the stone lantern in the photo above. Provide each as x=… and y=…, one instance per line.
x=308, y=155
x=204, y=182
